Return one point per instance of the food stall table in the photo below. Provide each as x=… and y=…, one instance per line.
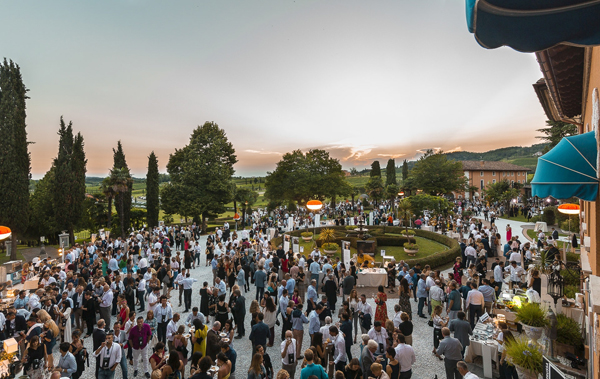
x=541, y=225
x=372, y=277
x=487, y=349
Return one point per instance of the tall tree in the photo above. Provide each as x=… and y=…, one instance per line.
x=120, y=180
x=375, y=188
x=375, y=169
x=301, y=177
x=15, y=162
x=123, y=197
x=435, y=174
x=390, y=172
x=152, y=200
x=404, y=170
x=69, y=179
x=109, y=194
x=555, y=132
x=43, y=222
x=201, y=174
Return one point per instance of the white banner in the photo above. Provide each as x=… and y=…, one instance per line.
x=290, y=224
x=286, y=242
x=317, y=220
x=346, y=254
x=371, y=218
x=295, y=245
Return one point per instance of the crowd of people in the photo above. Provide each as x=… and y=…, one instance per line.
x=103, y=289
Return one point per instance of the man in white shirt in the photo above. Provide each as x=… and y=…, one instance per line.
x=153, y=300
x=499, y=273
x=363, y=309
x=379, y=335
x=515, y=256
x=289, y=358
x=187, y=284
x=470, y=254
x=397, y=316
x=109, y=355
x=172, y=330
x=515, y=273
x=339, y=349
x=179, y=281
x=474, y=304
x=106, y=301
x=405, y=355
x=464, y=371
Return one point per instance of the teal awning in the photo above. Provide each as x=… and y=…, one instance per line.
x=534, y=25
x=568, y=170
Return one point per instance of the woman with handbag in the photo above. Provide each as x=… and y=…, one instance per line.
x=199, y=337
x=180, y=344
x=34, y=358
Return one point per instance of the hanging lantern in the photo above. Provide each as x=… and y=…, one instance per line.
x=555, y=285
x=5, y=232
x=569, y=209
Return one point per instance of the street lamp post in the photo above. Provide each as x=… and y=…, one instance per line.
x=315, y=206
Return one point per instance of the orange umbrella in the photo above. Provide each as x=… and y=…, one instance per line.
x=314, y=205
x=570, y=209
x=5, y=232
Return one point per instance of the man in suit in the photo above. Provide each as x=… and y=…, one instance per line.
x=15, y=324
x=98, y=337
x=239, y=313
x=462, y=330
x=368, y=358
x=260, y=332
x=554, y=234
x=78, y=299
x=212, y=341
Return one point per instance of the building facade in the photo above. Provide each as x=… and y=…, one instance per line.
x=480, y=174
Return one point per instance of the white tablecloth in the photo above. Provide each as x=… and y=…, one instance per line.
x=574, y=313
x=489, y=353
x=372, y=279
x=540, y=225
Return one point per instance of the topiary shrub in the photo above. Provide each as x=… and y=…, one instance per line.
x=549, y=217
x=568, y=331
x=574, y=227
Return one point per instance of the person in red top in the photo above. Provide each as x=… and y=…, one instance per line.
x=139, y=336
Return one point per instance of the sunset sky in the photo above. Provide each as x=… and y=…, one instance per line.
x=363, y=79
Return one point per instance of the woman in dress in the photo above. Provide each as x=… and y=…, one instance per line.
x=34, y=359
x=180, y=344
x=300, y=282
x=157, y=360
x=231, y=275
x=270, y=312
x=187, y=259
x=205, y=294
x=296, y=297
x=173, y=368
x=353, y=302
x=151, y=321
x=123, y=315
x=199, y=337
x=508, y=232
x=222, y=311
x=393, y=366
x=404, y=297
x=224, y=366
x=438, y=323
x=257, y=369
x=458, y=271
x=381, y=309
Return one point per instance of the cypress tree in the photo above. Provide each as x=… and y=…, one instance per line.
x=375, y=169
x=15, y=162
x=404, y=170
x=64, y=180
x=152, y=206
x=124, y=211
x=79, y=164
x=390, y=171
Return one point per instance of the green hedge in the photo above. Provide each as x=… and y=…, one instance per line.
x=435, y=260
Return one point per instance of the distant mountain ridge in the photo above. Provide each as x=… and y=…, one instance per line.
x=519, y=155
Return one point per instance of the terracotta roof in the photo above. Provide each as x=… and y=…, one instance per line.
x=491, y=166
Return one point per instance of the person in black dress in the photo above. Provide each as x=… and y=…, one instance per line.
x=204, y=298
x=536, y=282
x=222, y=311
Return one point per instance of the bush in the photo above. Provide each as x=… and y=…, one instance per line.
x=351, y=227
x=409, y=232
x=327, y=235
x=533, y=315
x=521, y=353
x=572, y=257
x=549, y=216
x=574, y=226
x=568, y=331
x=330, y=246
x=571, y=277
x=306, y=234
x=570, y=291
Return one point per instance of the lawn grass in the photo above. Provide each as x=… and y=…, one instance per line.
x=533, y=235
x=520, y=218
x=4, y=258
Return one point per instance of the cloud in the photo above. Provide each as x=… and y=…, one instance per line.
x=393, y=156
x=263, y=152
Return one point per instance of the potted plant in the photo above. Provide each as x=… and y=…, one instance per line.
x=534, y=320
x=526, y=357
x=568, y=335
x=306, y=236
x=330, y=248
x=411, y=249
